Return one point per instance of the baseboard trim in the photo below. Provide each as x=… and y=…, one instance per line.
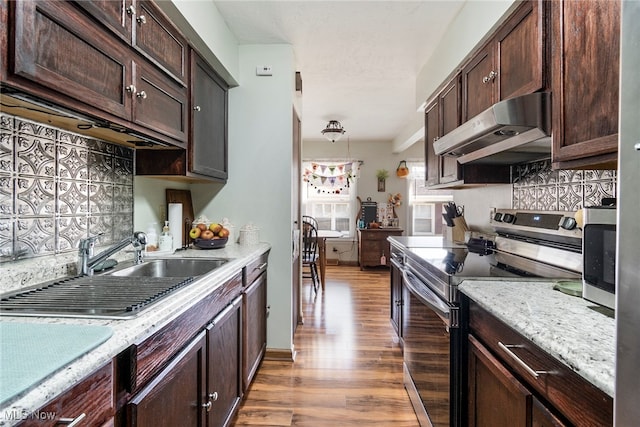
x=280, y=355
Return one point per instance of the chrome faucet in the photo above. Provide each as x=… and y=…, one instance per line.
x=86, y=260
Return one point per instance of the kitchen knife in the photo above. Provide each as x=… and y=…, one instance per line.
x=447, y=220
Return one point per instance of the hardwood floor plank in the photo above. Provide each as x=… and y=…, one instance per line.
x=348, y=367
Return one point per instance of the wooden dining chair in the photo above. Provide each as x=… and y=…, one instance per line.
x=310, y=253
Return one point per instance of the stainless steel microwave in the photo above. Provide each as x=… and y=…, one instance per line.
x=599, y=255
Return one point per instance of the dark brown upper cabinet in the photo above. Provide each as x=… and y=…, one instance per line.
x=442, y=116
x=61, y=55
x=206, y=157
x=142, y=25
x=511, y=63
x=585, y=68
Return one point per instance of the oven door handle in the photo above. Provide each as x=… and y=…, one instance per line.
x=427, y=297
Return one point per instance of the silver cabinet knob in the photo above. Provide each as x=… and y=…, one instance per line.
x=207, y=406
x=196, y=108
x=142, y=94
x=213, y=396
x=130, y=88
x=131, y=10
x=141, y=19
x=492, y=75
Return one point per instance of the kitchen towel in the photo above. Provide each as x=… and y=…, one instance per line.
x=175, y=224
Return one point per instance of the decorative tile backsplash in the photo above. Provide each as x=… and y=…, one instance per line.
x=536, y=186
x=57, y=187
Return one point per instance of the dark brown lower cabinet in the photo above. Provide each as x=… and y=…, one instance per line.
x=496, y=397
x=224, y=365
x=255, y=327
x=514, y=382
x=175, y=396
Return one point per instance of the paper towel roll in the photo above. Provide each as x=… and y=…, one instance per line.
x=175, y=224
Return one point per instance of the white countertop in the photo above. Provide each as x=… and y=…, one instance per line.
x=567, y=327
x=126, y=332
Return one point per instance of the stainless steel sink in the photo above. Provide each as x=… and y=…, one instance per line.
x=170, y=267
x=117, y=294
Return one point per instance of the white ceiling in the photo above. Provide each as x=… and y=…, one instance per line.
x=358, y=59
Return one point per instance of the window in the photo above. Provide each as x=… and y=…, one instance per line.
x=329, y=195
x=425, y=204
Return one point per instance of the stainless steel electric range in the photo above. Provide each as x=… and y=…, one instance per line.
x=527, y=244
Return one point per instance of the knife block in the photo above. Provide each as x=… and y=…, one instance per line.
x=456, y=233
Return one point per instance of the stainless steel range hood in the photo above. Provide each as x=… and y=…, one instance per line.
x=512, y=131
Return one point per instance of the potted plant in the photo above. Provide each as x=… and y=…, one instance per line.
x=382, y=175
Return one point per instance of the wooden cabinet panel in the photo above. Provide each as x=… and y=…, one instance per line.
x=395, y=306
x=255, y=268
x=541, y=416
x=496, y=397
x=479, y=91
x=520, y=52
x=116, y=15
x=450, y=97
x=224, y=365
x=93, y=397
x=175, y=396
x=159, y=41
x=585, y=69
x=160, y=103
x=510, y=64
x=373, y=244
x=575, y=398
x=254, y=328
x=432, y=133
x=209, y=116
x=57, y=49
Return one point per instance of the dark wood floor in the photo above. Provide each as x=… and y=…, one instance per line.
x=348, y=369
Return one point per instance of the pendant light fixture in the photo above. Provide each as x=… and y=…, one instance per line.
x=334, y=131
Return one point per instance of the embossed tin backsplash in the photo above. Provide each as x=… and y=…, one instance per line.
x=536, y=186
x=57, y=187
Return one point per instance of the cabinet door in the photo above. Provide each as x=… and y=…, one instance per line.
x=520, y=52
x=209, y=107
x=432, y=133
x=450, y=169
x=585, y=70
x=254, y=325
x=479, y=84
x=159, y=41
x=224, y=356
x=496, y=397
x=116, y=15
x=174, y=396
x=396, y=298
x=160, y=103
x=58, y=48
x=541, y=416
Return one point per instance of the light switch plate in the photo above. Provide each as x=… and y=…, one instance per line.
x=264, y=70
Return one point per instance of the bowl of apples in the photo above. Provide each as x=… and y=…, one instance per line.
x=209, y=236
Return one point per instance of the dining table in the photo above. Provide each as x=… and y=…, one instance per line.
x=323, y=235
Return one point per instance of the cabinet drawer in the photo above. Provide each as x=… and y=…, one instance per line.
x=255, y=269
x=578, y=400
x=147, y=357
x=92, y=397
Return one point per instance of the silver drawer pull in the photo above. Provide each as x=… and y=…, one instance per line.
x=526, y=367
x=72, y=422
x=261, y=266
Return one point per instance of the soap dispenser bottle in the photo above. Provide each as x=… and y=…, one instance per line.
x=166, y=239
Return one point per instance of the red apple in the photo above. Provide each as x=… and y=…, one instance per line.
x=206, y=235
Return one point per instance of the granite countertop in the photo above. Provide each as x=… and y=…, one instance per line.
x=126, y=332
x=569, y=328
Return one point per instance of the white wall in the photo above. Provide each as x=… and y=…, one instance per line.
x=259, y=185
x=477, y=202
